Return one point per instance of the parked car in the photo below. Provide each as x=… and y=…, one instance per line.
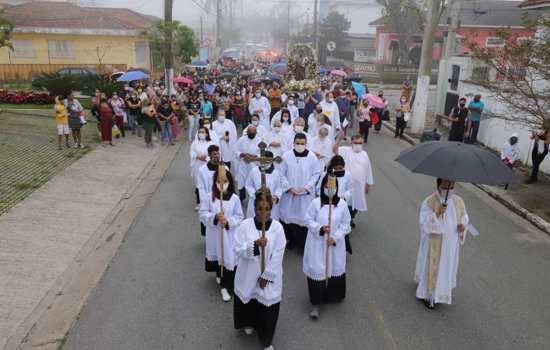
x=80, y=71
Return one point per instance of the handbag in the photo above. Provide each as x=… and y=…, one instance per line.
x=115, y=131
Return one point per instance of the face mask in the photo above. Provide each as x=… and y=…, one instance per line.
x=285, y=118
x=322, y=136
x=207, y=126
x=443, y=193
x=255, y=122
x=251, y=136
x=331, y=100
x=258, y=95
x=221, y=118
x=357, y=148
x=403, y=100
x=202, y=136
x=298, y=128
x=462, y=105
x=329, y=192
x=277, y=129
x=319, y=111
x=291, y=102
x=339, y=173
x=300, y=148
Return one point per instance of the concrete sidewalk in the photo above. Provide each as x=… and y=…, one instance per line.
x=41, y=237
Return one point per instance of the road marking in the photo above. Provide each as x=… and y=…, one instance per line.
x=386, y=332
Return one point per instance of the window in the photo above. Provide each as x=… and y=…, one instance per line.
x=60, y=49
x=140, y=48
x=22, y=48
x=494, y=42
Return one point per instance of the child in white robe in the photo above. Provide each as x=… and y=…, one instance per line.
x=199, y=157
x=258, y=294
x=274, y=183
x=220, y=257
x=326, y=285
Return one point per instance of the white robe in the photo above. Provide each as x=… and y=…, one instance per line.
x=289, y=139
x=246, y=277
x=359, y=166
x=213, y=137
x=510, y=152
x=279, y=137
x=314, y=261
x=294, y=113
x=198, y=148
x=450, y=249
x=205, y=180
x=226, y=147
x=333, y=113
x=274, y=183
x=263, y=104
x=297, y=172
x=324, y=148
x=261, y=131
x=233, y=212
x=246, y=145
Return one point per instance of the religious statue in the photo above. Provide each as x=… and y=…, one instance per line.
x=300, y=67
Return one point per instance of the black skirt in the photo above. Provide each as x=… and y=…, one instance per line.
x=260, y=317
x=228, y=278
x=295, y=235
x=320, y=293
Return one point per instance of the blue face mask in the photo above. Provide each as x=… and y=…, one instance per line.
x=329, y=192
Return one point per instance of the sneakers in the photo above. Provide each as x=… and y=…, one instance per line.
x=218, y=280
x=248, y=330
x=314, y=314
x=226, y=297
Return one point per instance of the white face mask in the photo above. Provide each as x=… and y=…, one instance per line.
x=221, y=118
x=285, y=118
x=357, y=148
x=277, y=129
x=290, y=102
x=331, y=100
x=258, y=95
x=443, y=193
x=298, y=128
x=300, y=148
x=255, y=122
x=207, y=126
x=202, y=136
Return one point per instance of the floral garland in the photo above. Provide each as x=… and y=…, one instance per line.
x=311, y=61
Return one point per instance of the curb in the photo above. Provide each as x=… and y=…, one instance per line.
x=534, y=219
x=47, y=327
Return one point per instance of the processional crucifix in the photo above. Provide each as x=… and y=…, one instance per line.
x=264, y=162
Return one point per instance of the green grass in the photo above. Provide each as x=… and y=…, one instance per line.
x=85, y=101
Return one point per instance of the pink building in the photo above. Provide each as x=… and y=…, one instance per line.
x=479, y=23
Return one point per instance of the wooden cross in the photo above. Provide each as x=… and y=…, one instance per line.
x=265, y=162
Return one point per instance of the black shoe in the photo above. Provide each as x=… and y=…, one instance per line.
x=352, y=224
x=428, y=304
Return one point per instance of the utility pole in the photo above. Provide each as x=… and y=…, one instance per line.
x=288, y=26
x=420, y=107
x=453, y=27
x=316, y=28
x=202, y=32
x=218, y=24
x=169, y=57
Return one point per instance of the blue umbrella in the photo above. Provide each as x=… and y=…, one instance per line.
x=359, y=89
x=198, y=64
x=133, y=75
x=323, y=70
x=279, y=68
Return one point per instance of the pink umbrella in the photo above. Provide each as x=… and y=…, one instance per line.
x=339, y=72
x=183, y=80
x=374, y=101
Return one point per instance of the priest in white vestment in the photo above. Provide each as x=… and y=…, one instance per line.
x=227, y=133
x=331, y=110
x=321, y=145
x=246, y=151
x=442, y=227
x=297, y=128
x=275, y=139
x=274, y=183
x=300, y=171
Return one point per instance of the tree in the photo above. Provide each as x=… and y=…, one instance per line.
x=519, y=75
x=405, y=18
x=6, y=28
x=334, y=28
x=184, y=43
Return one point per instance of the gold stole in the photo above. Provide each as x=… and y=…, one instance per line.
x=435, y=240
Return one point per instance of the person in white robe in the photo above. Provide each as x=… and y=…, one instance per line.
x=260, y=105
x=442, y=227
x=219, y=253
x=297, y=128
x=258, y=294
x=284, y=117
x=205, y=177
x=260, y=129
x=207, y=123
x=313, y=120
x=292, y=108
x=330, y=109
x=246, y=151
x=300, y=171
x=321, y=146
x=509, y=153
x=274, y=183
x=359, y=166
x=326, y=284
x=199, y=157
x=227, y=133
x=275, y=140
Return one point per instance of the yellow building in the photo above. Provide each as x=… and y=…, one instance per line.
x=51, y=35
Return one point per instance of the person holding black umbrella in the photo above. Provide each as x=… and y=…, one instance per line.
x=443, y=222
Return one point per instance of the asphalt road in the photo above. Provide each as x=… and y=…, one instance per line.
x=155, y=295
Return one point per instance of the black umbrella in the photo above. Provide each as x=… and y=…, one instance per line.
x=456, y=161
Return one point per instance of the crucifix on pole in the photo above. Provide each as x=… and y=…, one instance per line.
x=264, y=161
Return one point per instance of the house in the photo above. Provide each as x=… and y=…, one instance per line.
x=359, y=13
x=50, y=35
x=479, y=23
